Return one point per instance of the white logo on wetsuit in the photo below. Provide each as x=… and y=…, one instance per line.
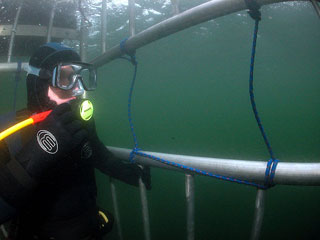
x=47, y=141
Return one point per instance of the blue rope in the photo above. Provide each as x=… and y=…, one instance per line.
x=133, y=60
x=253, y=104
x=272, y=163
x=137, y=151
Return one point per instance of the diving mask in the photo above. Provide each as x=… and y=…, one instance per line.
x=67, y=76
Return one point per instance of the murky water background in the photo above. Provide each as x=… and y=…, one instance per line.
x=191, y=97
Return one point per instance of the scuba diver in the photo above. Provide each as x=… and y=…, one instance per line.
x=47, y=180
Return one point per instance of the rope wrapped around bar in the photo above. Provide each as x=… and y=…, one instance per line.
x=137, y=151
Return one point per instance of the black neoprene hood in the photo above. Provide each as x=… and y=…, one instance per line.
x=46, y=57
x=51, y=54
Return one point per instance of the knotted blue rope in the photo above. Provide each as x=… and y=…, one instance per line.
x=272, y=163
x=137, y=151
x=131, y=54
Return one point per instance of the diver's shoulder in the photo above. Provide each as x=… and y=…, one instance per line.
x=23, y=114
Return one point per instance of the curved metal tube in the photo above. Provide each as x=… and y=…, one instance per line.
x=316, y=7
x=287, y=173
x=199, y=14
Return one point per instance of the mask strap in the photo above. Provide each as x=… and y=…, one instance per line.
x=33, y=70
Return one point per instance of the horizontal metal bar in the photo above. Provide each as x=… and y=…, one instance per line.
x=202, y=13
x=40, y=31
x=286, y=173
x=12, y=67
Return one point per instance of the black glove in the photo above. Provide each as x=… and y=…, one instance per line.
x=60, y=133
x=107, y=163
x=131, y=173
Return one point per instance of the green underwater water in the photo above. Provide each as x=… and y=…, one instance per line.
x=191, y=97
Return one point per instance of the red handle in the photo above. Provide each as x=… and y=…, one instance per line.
x=40, y=116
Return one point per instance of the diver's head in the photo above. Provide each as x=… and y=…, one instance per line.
x=57, y=75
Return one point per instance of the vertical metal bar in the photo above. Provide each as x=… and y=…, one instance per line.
x=49, y=33
x=104, y=26
x=175, y=7
x=4, y=231
x=142, y=187
x=145, y=211
x=116, y=208
x=316, y=6
x=104, y=48
x=189, y=183
x=83, y=40
x=83, y=34
x=132, y=17
x=258, y=214
x=13, y=32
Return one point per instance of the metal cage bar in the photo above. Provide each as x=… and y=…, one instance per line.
x=13, y=32
x=258, y=214
x=49, y=34
x=132, y=17
x=104, y=26
x=303, y=174
x=112, y=185
x=189, y=183
x=116, y=208
x=12, y=67
x=4, y=231
x=175, y=7
x=199, y=14
x=316, y=7
x=145, y=210
x=83, y=39
x=142, y=187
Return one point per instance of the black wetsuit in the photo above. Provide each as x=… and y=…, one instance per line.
x=63, y=204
